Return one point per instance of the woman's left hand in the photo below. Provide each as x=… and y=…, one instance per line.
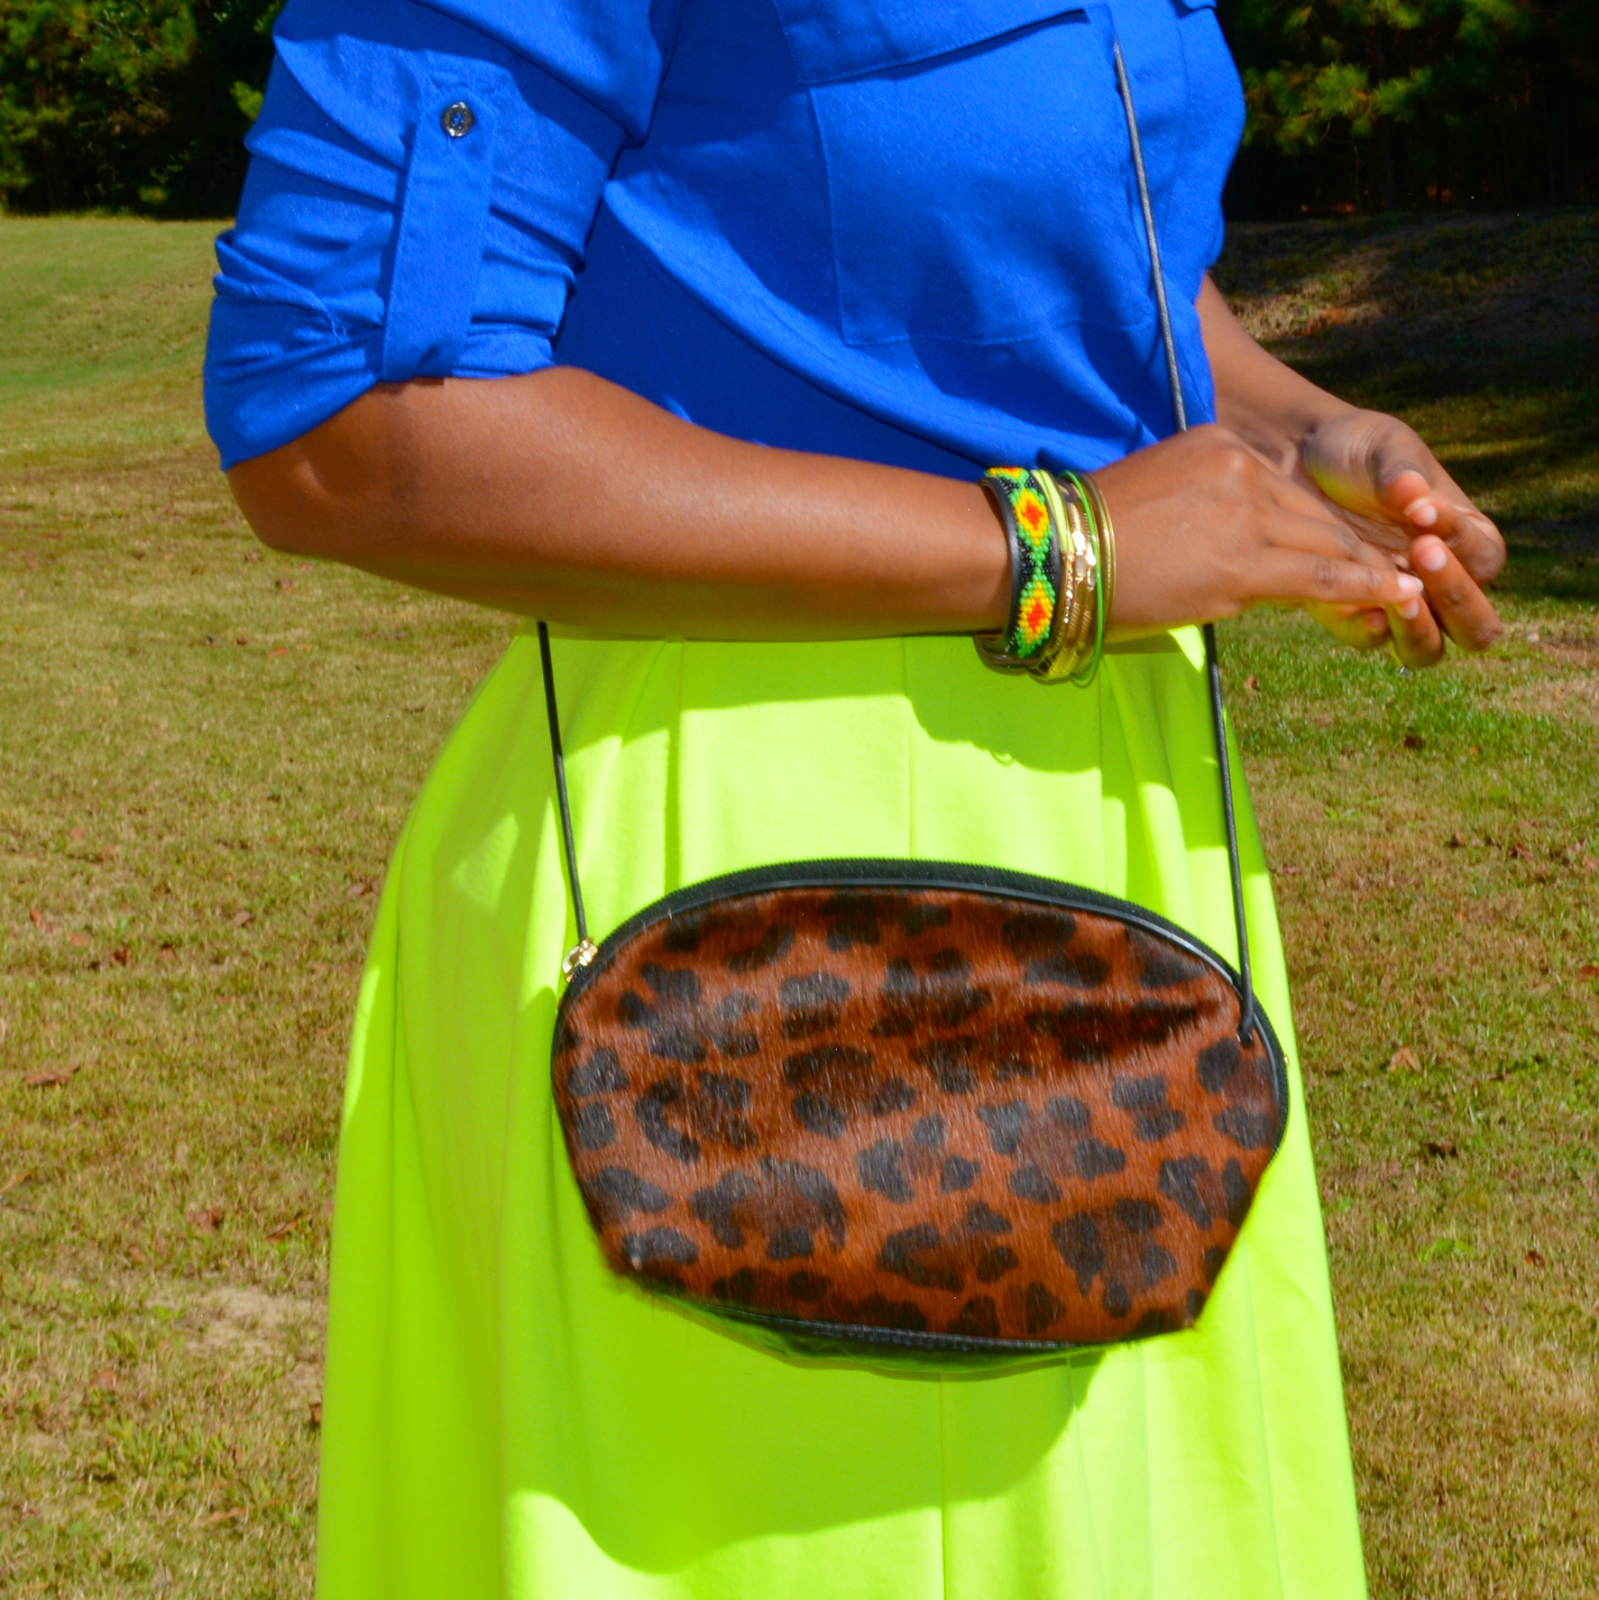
x=1391, y=489
x=1382, y=481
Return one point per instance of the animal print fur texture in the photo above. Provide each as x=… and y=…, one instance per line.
x=928, y=1111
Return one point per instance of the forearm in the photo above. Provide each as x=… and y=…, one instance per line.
x=563, y=496
x=1266, y=403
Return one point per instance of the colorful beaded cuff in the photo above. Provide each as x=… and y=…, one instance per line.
x=1032, y=529
x=1063, y=573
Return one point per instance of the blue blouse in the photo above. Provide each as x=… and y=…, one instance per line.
x=900, y=230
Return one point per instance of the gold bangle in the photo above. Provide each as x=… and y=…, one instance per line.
x=1077, y=610
x=1107, y=546
x=1105, y=542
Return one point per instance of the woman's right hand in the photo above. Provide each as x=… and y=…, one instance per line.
x=1206, y=528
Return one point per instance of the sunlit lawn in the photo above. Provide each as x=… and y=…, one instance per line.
x=206, y=751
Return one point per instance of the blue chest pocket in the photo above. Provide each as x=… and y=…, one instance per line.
x=978, y=168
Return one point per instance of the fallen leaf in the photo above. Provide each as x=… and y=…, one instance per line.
x=78, y=939
x=1588, y=970
x=284, y=1229
x=1402, y=1060
x=122, y=955
x=105, y=1379
x=252, y=555
x=1457, y=841
x=287, y=583
x=212, y=641
x=1588, y=863
x=242, y=919
x=1414, y=741
x=241, y=639
x=1519, y=852
x=77, y=835
x=1252, y=684
x=224, y=1516
x=166, y=953
x=1535, y=1258
x=279, y=651
x=1351, y=1007
x=36, y=916
x=136, y=1255
x=45, y=1080
x=1443, y=1150
x=314, y=1411
x=207, y=1220
x=15, y=1179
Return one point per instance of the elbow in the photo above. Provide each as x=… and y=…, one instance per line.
x=312, y=496
x=269, y=507
x=286, y=503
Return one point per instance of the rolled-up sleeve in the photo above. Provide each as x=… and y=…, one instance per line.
x=422, y=181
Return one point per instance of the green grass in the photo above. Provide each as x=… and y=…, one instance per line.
x=206, y=751
x=1435, y=839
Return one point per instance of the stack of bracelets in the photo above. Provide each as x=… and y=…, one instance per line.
x=1063, y=574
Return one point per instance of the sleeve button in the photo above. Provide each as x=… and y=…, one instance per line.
x=457, y=120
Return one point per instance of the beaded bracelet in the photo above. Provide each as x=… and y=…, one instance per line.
x=1032, y=530
x=1063, y=574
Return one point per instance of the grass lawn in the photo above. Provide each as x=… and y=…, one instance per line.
x=206, y=751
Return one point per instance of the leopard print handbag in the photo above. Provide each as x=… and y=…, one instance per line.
x=916, y=1106
x=912, y=1110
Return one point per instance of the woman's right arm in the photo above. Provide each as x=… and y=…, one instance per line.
x=561, y=495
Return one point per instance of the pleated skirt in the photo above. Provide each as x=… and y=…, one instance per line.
x=503, y=1418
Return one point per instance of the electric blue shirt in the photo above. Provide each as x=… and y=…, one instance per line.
x=900, y=230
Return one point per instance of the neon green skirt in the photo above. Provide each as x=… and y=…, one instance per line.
x=503, y=1418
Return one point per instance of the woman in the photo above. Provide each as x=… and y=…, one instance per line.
x=689, y=328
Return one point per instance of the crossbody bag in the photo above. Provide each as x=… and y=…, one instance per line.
x=919, y=1110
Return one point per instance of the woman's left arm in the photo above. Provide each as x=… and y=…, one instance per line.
x=1381, y=478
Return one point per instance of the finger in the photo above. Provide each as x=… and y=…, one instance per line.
x=1359, y=627
x=1306, y=577
x=1322, y=531
x=1417, y=640
x=1434, y=503
x=1462, y=609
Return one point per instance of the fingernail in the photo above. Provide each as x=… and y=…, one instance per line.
x=1410, y=610
x=1422, y=512
x=1410, y=584
x=1429, y=556
x=1377, y=622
